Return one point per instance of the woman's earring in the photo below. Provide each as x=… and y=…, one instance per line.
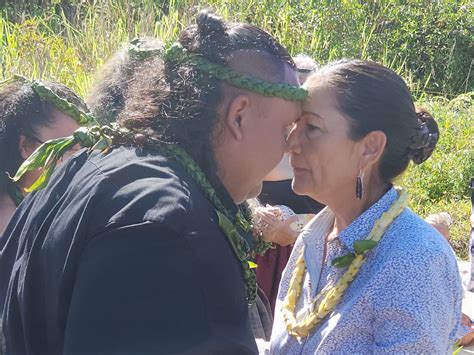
x=360, y=185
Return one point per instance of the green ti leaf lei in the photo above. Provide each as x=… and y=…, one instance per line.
x=362, y=247
x=48, y=95
x=47, y=155
x=136, y=48
x=229, y=224
x=241, y=80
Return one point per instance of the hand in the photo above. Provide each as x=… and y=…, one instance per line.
x=468, y=339
x=268, y=218
x=281, y=232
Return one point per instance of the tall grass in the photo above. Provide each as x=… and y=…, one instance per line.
x=429, y=43
x=441, y=183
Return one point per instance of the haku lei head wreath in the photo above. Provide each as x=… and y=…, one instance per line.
x=46, y=94
x=47, y=155
x=241, y=80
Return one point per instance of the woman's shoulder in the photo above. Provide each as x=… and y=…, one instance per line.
x=411, y=238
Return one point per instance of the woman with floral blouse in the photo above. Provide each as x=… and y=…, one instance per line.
x=367, y=275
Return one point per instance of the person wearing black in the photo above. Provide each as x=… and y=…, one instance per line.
x=26, y=121
x=139, y=246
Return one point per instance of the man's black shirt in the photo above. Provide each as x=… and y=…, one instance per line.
x=121, y=253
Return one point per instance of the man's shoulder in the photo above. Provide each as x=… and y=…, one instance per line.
x=136, y=186
x=125, y=186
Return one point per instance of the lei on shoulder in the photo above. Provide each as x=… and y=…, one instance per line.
x=97, y=137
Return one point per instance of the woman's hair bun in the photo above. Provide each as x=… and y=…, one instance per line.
x=209, y=24
x=426, y=137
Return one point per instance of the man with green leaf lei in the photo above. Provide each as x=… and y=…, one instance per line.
x=138, y=244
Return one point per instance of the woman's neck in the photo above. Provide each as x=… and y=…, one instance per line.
x=7, y=209
x=348, y=211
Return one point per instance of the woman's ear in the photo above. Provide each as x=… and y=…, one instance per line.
x=26, y=146
x=236, y=117
x=373, y=146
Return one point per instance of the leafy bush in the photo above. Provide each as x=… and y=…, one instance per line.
x=431, y=43
x=442, y=182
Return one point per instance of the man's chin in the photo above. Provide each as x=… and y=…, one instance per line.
x=255, y=191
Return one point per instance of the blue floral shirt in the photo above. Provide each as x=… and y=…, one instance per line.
x=405, y=299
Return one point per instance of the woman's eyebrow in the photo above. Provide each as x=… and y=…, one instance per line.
x=312, y=114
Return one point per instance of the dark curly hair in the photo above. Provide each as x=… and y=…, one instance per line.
x=22, y=112
x=175, y=102
x=110, y=88
x=373, y=97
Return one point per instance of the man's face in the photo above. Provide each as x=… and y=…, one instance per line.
x=267, y=139
x=61, y=125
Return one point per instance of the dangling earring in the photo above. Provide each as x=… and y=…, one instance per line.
x=360, y=185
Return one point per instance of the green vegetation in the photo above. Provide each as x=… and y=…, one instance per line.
x=430, y=43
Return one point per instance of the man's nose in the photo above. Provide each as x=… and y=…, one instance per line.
x=293, y=141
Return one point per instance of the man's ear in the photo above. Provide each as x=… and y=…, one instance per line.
x=26, y=146
x=236, y=115
x=373, y=146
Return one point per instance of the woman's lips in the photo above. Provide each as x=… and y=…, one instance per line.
x=298, y=170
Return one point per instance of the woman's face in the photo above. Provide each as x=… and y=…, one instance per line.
x=324, y=159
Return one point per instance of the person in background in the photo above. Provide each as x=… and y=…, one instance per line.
x=282, y=213
x=27, y=120
x=441, y=221
x=111, y=85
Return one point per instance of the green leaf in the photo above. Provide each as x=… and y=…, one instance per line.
x=362, y=246
x=56, y=151
x=252, y=265
x=232, y=235
x=44, y=177
x=102, y=144
x=226, y=225
x=40, y=156
x=458, y=348
x=343, y=261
